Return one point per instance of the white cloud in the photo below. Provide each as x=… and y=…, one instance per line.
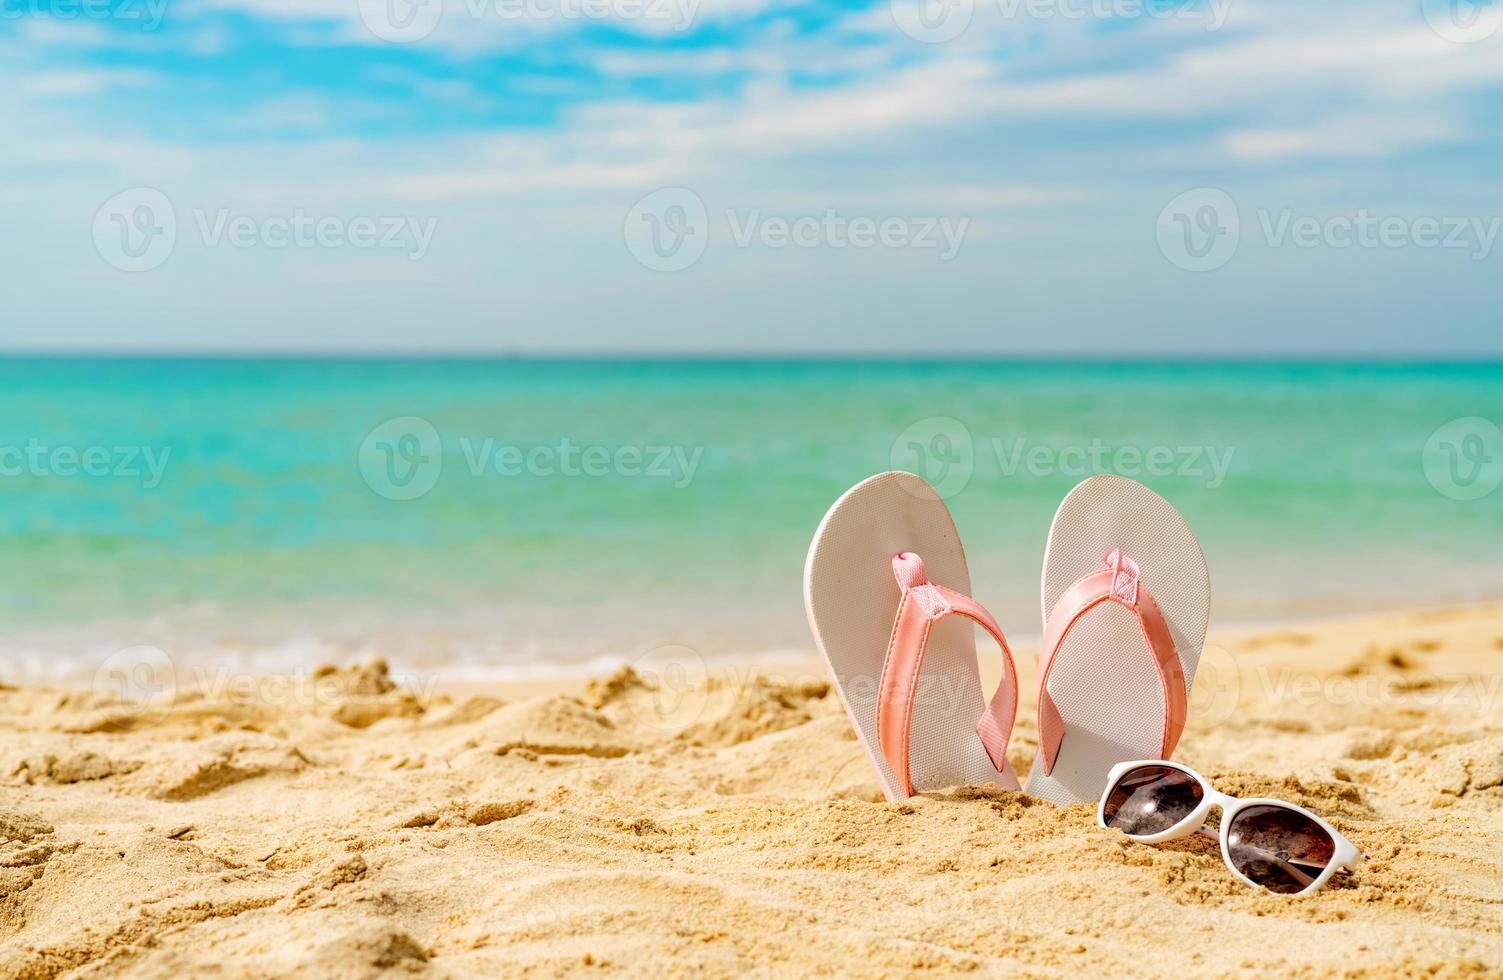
x=80, y=82
x=1355, y=136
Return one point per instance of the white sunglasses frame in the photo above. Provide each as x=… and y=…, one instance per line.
x=1346, y=855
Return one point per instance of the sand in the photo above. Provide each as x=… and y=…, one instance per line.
x=666, y=823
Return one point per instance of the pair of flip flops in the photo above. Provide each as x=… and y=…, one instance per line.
x=1126, y=599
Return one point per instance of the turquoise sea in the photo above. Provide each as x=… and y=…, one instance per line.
x=526, y=515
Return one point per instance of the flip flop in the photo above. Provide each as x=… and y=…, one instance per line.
x=888, y=597
x=1126, y=599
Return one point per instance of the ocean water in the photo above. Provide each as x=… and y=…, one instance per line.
x=516, y=516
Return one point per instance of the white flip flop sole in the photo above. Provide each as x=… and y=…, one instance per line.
x=1103, y=679
x=852, y=598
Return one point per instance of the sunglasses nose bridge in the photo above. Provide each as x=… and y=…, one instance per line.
x=1213, y=802
x=1195, y=820
x=1219, y=801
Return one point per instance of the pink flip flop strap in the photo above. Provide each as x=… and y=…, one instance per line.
x=923, y=604
x=1118, y=583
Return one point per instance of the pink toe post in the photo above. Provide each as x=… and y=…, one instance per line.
x=1118, y=582
x=922, y=605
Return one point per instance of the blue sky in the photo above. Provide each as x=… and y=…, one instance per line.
x=1096, y=177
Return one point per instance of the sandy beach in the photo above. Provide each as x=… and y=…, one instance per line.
x=670, y=823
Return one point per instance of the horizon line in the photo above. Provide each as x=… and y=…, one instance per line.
x=832, y=356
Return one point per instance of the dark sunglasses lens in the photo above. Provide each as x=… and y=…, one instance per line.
x=1149, y=800
x=1281, y=849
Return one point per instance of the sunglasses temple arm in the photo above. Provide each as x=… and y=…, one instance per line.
x=1215, y=834
x=1289, y=869
x=1270, y=857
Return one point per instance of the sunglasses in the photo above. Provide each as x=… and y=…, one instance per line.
x=1267, y=843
